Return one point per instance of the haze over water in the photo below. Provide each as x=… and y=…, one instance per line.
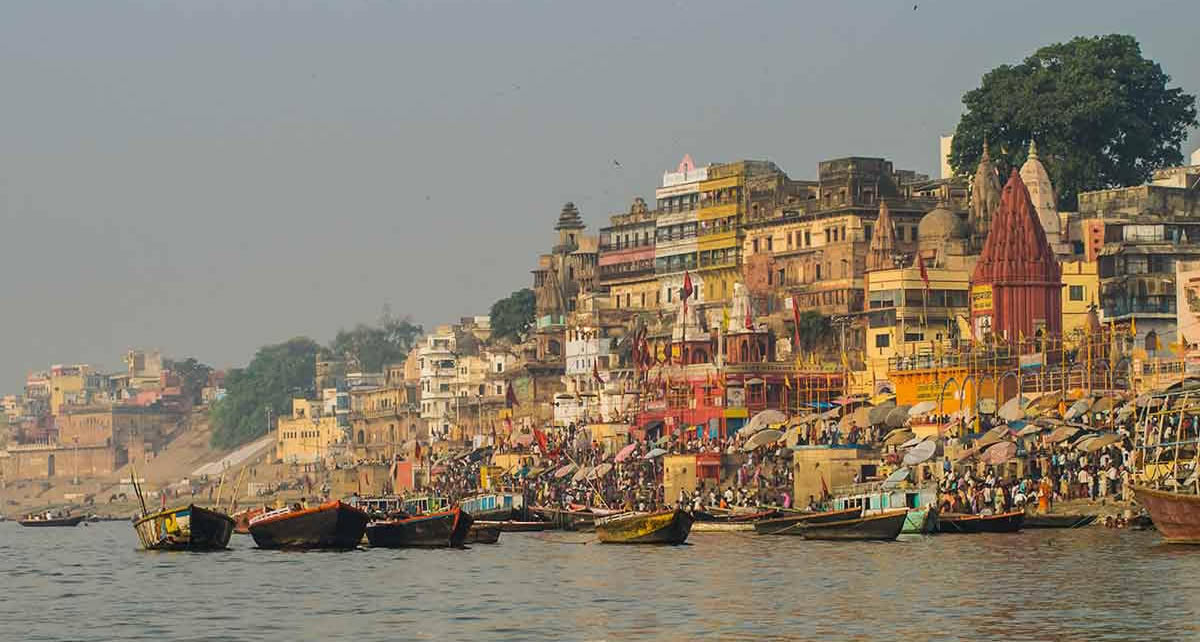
x=91, y=583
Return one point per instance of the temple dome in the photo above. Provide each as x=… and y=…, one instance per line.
x=941, y=224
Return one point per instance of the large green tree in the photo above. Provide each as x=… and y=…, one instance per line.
x=193, y=376
x=369, y=348
x=1101, y=114
x=275, y=375
x=512, y=317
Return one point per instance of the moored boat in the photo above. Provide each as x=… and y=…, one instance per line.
x=791, y=524
x=483, y=534
x=184, y=528
x=241, y=519
x=878, y=527
x=1009, y=522
x=1057, y=521
x=876, y=498
x=722, y=526
x=663, y=527
x=445, y=529
x=39, y=521
x=514, y=526
x=567, y=519
x=334, y=525
x=495, y=506
x=1175, y=515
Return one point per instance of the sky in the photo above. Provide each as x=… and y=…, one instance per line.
x=207, y=178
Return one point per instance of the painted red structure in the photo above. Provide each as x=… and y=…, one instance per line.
x=1016, y=291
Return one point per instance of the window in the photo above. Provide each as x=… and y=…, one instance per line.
x=883, y=340
x=1076, y=292
x=768, y=244
x=807, y=239
x=899, y=232
x=914, y=336
x=756, y=246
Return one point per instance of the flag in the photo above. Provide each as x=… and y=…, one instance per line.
x=749, y=319
x=787, y=382
x=845, y=361
x=924, y=274
x=417, y=451
x=510, y=397
x=541, y=440
x=687, y=289
x=725, y=319
x=1157, y=343
x=596, y=373
x=796, y=323
x=1133, y=327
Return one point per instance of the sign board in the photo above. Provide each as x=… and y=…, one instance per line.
x=981, y=298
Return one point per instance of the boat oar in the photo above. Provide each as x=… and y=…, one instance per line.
x=137, y=488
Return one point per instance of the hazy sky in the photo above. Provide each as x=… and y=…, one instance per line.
x=209, y=177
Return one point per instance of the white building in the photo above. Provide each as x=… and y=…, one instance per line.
x=438, y=360
x=675, y=245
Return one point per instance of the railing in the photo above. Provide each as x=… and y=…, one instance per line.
x=610, y=247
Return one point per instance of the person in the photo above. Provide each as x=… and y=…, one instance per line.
x=1045, y=490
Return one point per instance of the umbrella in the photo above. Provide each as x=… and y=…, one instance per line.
x=862, y=417
x=1012, y=410
x=920, y=453
x=1062, y=433
x=987, y=406
x=895, y=478
x=911, y=442
x=999, y=453
x=601, y=470
x=897, y=417
x=923, y=408
x=1031, y=429
x=1078, y=408
x=879, y=414
x=765, y=418
x=880, y=399
x=992, y=436
x=1103, y=404
x=581, y=474
x=564, y=471
x=1100, y=441
x=831, y=413
x=625, y=453
x=897, y=436
x=761, y=439
x=968, y=453
x=657, y=452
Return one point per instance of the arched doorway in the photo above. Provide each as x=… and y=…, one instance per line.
x=50, y=466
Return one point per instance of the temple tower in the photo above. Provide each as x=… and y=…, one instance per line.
x=1041, y=192
x=985, y=197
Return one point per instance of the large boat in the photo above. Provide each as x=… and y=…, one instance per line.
x=663, y=527
x=483, y=534
x=874, y=499
x=50, y=521
x=729, y=522
x=334, y=524
x=1036, y=520
x=495, y=506
x=184, y=528
x=241, y=519
x=1009, y=522
x=567, y=519
x=1168, y=447
x=436, y=530
x=1175, y=515
x=514, y=526
x=792, y=524
x=878, y=527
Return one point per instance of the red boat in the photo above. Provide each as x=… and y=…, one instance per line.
x=1176, y=515
x=331, y=525
x=436, y=530
x=241, y=519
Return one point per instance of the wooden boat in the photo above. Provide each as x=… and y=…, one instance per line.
x=184, y=528
x=334, y=524
x=791, y=524
x=483, y=534
x=663, y=527
x=722, y=526
x=880, y=527
x=43, y=522
x=875, y=498
x=444, y=529
x=1175, y=515
x=514, y=526
x=1057, y=521
x=1010, y=522
x=241, y=519
x=495, y=506
x=566, y=519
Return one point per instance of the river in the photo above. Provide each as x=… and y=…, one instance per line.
x=91, y=583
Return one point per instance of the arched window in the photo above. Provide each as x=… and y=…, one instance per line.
x=1151, y=341
x=362, y=437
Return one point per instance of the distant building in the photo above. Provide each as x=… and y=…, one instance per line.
x=308, y=435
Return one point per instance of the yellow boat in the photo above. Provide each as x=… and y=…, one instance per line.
x=663, y=527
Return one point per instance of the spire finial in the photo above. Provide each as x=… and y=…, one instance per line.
x=1033, y=149
x=986, y=155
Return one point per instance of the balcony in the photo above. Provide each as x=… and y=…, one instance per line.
x=633, y=245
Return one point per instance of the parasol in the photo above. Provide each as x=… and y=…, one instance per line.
x=897, y=417
x=1062, y=433
x=625, y=453
x=564, y=471
x=894, y=479
x=1078, y=408
x=1031, y=429
x=997, y=434
x=763, y=419
x=897, y=436
x=581, y=474
x=1103, y=404
x=761, y=439
x=1012, y=409
x=911, y=442
x=657, y=452
x=1099, y=441
x=862, y=417
x=922, y=452
x=600, y=471
x=999, y=453
x=878, y=414
x=923, y=408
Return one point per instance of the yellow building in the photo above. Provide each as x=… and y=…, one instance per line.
x=67, y=384
x=308, y=435
x=906, y=321
x=385, y=422
x=819, y=469
x=1081, y=289
x=722, y=210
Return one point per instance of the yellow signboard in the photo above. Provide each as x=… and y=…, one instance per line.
x=981, y=298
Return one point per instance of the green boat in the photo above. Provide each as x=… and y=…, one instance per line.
x=874, y=499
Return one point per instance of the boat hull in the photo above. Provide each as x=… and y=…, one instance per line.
x=665, y=527
x=333, y=525
x=1058, y=521
x=722, y=526
x=439, y=530
x=568, y=520
x=792, y=524
x=1177, y=516
x=50, y=523
x=882, y=527
x=919, y=521
x=513, y=526
x=185, y=528
x=241, y=519
x=483, y=534
x=959, y=523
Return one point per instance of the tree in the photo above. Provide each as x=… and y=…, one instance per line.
x=814, y=329
x=370, y=348
x=1101, y=114
x=192, y=374
x=512, y=317
x=275, y=375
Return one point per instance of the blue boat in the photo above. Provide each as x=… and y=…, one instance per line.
x=874, y=499
x=496, y=507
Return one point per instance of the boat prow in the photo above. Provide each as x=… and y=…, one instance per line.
x=184, y=528
x=663, y=527
x=1176, y=515
x=332, y=525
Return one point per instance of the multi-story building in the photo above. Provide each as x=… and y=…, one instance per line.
x=626, y=261
x=385, y=420
x=68, y=385
x=675, y=250
x=1145, y=230
x=308, y=435
x=438, y=359
x=1081, y=289
x=568, y=270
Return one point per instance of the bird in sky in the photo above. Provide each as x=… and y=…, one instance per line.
x=616, y=163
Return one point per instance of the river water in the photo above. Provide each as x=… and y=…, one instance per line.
x=91, y=583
